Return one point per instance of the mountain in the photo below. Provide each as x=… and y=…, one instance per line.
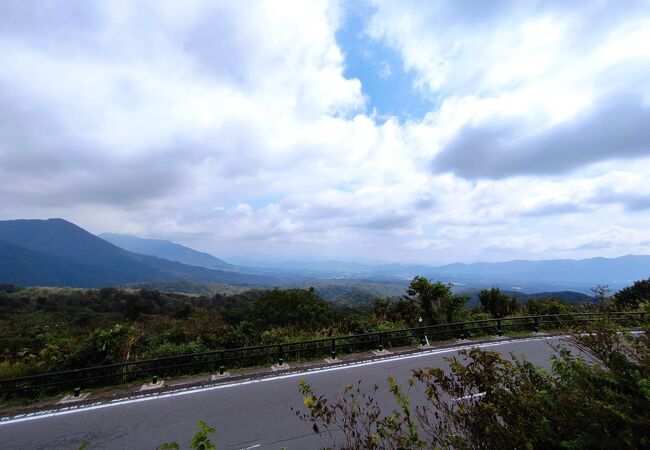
x=519, y=275
x=57, y=252
x=25, y=267
x=566, y=296
x=558, y=274
x=166, y=250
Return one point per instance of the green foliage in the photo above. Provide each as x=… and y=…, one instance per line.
x=545, y=306
x=357, y=415
x=429, y=294
x=172, y=349
x=631, y=297
x=597, y=395
x=405, y=311
x=496, y=303
x=116, y=343
x=452, y=305
x=168, y=446
x=52, y=329
x=200, y=441
x=436, y=299
x=300, y=308
x=601, y=293
x=600, y=404
x=358, y=294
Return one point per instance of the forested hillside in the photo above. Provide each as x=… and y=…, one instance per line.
x=56, y=252
x=47, y=329
x=166, y=250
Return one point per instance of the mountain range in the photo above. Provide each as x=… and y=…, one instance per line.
x=519, y=275
x=55, y=252
x=166, y=250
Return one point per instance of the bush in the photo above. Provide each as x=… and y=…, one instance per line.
x=598, y=397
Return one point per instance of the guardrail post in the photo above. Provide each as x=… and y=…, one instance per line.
x=76, y=391
x=154, y=379
x=280, y=354
x=333, y=349
x=536, y=326
x=462, y=331
x=381, y=342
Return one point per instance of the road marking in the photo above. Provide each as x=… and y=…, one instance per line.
x=189, y=391
x=470, y=397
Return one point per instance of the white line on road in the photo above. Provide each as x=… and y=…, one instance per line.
x=189, y=391
x=470, y=397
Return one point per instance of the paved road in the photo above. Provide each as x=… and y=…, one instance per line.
x=253, y=414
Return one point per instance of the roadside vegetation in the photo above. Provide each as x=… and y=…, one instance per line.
x=51, y=329
x=596, y=396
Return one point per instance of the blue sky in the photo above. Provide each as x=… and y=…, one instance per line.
x=413, y=131
x=389, y=89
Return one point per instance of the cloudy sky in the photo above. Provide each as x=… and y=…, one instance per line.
x=428, y=131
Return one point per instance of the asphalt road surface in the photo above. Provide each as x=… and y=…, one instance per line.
x=247, y=415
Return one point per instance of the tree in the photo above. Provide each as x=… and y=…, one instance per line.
x=381, y=309
x=452, y=304
x=436, y=299
x=602, y=294
x=496, y=302
x=300, y=308
x=632, y=296
x=536, y=307
x=405, y=310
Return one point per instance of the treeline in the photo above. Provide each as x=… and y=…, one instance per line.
x=46, y=329
x=57, y=329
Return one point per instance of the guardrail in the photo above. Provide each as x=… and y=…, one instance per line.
x=218, y=360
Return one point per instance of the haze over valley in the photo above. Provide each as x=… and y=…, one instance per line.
x=56, y=252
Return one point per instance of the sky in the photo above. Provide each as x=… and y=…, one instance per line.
x=405, y=131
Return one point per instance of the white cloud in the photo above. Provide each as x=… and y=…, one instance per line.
x=529, y=243
x=615, y=238
x=234, y=128
x=525, y=86
x=427, y=244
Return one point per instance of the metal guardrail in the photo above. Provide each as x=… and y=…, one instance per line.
x=218, y=360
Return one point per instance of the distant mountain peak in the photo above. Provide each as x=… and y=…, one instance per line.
x=166, y=250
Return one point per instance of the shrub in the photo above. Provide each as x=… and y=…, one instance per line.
x=597, y=395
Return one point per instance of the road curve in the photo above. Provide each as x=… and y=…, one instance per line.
x=254, y=414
